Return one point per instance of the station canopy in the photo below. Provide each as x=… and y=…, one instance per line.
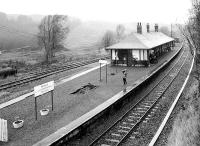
x=142, y=41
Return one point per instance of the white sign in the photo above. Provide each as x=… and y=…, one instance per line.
x=44, y=88
x=3, y=130
x=103, y=61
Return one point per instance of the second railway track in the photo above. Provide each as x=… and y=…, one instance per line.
x=51, y=71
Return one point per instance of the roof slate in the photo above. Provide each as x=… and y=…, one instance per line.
x=142, y=41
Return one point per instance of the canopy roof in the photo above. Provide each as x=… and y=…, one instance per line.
x=142, y=41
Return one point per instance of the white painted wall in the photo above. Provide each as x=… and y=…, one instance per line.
x=114, y=55
x=135, y=54
x=141, y=54
x=145, y=55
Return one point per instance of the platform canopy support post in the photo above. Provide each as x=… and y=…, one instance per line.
x=100, y=72
x=106, y=73
x=52, y=99
x=35, y=108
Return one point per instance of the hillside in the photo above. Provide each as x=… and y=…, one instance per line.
x=15, y=33
x=87, y=34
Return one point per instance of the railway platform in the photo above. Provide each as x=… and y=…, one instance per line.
x=69, y=107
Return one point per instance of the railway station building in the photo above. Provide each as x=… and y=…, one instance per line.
x=140, y=48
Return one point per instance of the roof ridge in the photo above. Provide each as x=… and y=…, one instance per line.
x=142, y=41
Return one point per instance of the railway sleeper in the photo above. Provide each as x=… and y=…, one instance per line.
x=125, y=127
x=115, y=134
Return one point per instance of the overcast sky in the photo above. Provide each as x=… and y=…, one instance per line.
x=160, y=11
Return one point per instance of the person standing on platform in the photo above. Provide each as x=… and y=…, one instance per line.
x=124, y=76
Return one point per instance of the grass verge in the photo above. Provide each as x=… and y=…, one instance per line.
x=186, y=127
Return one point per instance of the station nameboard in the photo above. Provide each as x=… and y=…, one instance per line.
x=103, y=61
x=44, y=88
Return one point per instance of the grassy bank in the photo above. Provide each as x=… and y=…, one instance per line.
x=186, y=127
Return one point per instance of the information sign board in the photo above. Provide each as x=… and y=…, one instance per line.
x=44, y=88
x=103, y=61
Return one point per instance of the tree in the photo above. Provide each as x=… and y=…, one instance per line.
x=191, y=33
x=108, y=39
x=52, y=31
x=120, y=31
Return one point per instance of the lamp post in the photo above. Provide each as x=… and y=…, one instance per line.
x=100, y=73
x=102, y=62
x=106, y=72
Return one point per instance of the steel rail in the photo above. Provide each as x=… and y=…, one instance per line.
x=152, y=104
x=99, y=137
x=161, y=127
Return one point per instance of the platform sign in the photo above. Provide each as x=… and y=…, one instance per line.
x=3, y=130
x=44, y=88
x=103, y=61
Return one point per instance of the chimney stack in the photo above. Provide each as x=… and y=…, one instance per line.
x=139, y=28
x=148, y=28
x=156, y=27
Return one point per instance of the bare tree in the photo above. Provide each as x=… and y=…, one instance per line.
x=120, y=29
x=191, y=33
x=108, y=39
x=52, y=32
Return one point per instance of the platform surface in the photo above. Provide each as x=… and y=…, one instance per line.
x=68, y=107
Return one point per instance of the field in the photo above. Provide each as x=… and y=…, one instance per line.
x=83, y=40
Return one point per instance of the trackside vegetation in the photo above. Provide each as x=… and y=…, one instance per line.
x=186, y=126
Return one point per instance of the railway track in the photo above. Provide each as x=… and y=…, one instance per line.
x=126, y=126
x=51, y=71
